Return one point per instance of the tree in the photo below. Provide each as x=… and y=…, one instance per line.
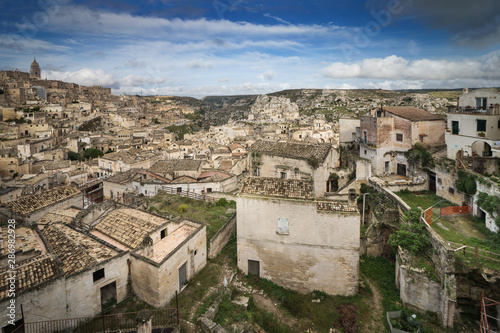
x=91, y=153
x=412, y=236
x=73, y=156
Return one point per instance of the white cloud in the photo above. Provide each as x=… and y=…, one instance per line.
x=86, y=77
x=267, y=75
x=19, y=43
x=84, y=20
x=198, y=63
x=399, y=68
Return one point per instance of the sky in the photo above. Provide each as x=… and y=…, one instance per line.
x=228, y=47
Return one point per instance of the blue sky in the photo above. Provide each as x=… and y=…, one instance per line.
x=222, y=47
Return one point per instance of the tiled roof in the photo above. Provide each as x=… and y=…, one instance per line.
x=26, y=240
x=412, y=114
x=184, y=180
x=75, y=250
x=123, y=177
x=277, y=187
x=187, y=165
x=29, y=204
x=129, y=226
x=163, y=167
x=130, y=156
x=60, y=216
x=30, y=274
x=54, y=165
x=292, y=150
x=75, y=172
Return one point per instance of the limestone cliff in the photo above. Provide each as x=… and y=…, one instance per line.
x=272, y=108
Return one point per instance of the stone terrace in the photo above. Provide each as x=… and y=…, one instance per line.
x=163, y=248
x=129, y=226
x=29, y=204
x=75, y=250
x=277, y=187
x=292, y=150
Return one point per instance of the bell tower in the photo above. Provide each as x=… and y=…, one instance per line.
x=35, y=72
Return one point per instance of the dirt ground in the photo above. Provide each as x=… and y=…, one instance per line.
x=374, y=324
x=462, y=224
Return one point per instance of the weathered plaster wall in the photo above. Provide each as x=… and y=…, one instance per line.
x=320, y=252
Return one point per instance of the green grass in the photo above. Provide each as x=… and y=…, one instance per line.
x=423, y=199
x=491, y=243
x=381, y=271
x=209, y=213
x=323, y=315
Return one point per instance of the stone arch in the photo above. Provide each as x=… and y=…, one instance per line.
x=481, y=148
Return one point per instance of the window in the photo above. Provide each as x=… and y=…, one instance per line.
x=481, y=102
x=179, y=189
x=454, y=127
x=195, y=252
x=421, y=138
x=399, y=137
x=481, y=125
x=163, y=233
x=386, y=166
x=97, y=275
x=209, y=190
x=499, y=124
x=451, y=190
x=365, y=136
x=283, y=175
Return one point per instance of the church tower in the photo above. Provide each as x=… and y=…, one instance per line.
x=35, y=70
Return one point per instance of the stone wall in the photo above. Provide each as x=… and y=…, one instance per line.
x=411, y=280
x=156, y=283
x=319, y=251
x=222, y=237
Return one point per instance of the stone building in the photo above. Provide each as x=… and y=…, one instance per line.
x=76, y=263
x=473, y=127
x=295, y=161
x=35, y=72
x=391, y=131
x=287, y=236
x=30, y=208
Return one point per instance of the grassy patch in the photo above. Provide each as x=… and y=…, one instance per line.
x=423, y=199
x=323, y=314
x=381, y=271
x=213, y=215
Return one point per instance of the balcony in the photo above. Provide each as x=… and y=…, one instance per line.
x=494, y=109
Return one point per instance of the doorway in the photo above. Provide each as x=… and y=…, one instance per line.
x=432, y=181
x=402, y=169
x=182, y=276
x=108, y=296
x=254, y=267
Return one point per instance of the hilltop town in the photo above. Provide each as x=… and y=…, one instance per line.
x=307, y=187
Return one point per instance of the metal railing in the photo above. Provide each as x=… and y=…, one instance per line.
x=120, y=322
x=187, y=194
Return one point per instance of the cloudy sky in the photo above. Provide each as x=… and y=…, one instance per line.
x=223, y=47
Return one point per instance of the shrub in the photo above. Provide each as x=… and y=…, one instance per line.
x=412, y=236
x=222, y=202
x=182, y=208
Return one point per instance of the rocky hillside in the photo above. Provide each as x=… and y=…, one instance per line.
x=332, y=103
